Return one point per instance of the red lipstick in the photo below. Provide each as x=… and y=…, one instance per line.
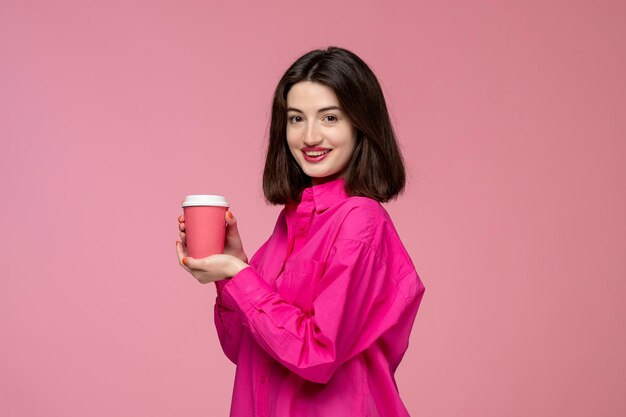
x=315, y=149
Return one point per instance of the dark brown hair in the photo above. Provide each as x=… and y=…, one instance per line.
x=376, y=169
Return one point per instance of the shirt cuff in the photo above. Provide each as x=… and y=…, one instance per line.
x=221, y=302
x=245, y=289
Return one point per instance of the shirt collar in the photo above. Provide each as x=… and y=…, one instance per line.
x=327, y=194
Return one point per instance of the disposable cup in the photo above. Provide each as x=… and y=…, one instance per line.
x=205, y=225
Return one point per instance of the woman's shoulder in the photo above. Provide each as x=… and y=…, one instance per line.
x=364, y=206
x=366, y=220
x=363, y=218
x=366, y=203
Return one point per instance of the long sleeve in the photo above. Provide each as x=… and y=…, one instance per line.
x=359, y=298
x=228, y=325
x=226, y=317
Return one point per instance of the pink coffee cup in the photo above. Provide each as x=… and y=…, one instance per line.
x=205, y=225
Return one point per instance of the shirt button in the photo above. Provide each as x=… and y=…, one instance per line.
x=262, y=379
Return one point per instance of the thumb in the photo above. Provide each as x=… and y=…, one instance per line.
x=232, y=229
x=191, y=263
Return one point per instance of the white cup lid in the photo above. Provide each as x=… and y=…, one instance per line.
x=205, y=200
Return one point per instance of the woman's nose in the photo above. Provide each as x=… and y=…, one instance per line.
x=312, y=136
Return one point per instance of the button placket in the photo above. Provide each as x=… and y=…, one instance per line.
x=302, y=218
x=262, y=390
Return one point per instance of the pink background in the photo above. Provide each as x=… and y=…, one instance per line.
x=512, y=119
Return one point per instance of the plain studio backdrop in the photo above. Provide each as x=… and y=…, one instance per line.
x=512, y=119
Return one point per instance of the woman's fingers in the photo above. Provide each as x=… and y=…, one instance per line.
x=233, y=240
x=233, y=245
x=196, y=264
x=232, y=232
x=181, y=252
x=181, y=227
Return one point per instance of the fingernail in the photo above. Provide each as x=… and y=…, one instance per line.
x=230, y=214
x=185, y=261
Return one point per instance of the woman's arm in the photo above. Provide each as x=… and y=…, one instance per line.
x=226, y=317
x=226, y=320
x=363, y=297
x=227, y=324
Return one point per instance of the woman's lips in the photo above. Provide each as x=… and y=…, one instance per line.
x=315, y=158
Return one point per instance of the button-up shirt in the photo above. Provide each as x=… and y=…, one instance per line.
x=318, y=322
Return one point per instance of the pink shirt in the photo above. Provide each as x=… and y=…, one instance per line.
x=319, y=321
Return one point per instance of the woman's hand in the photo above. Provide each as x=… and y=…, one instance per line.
x=210, y=269
x=215, y=267
x=232, y=243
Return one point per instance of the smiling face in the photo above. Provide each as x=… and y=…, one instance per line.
x=320, y=135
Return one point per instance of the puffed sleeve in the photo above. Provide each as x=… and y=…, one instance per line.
x=361, y=299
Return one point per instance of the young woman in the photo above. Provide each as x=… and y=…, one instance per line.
x=319, y=319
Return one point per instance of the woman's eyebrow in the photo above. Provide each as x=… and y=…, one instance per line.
x=319, y=111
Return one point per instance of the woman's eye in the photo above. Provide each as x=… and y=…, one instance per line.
x=331, y=118
x=290, y=119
